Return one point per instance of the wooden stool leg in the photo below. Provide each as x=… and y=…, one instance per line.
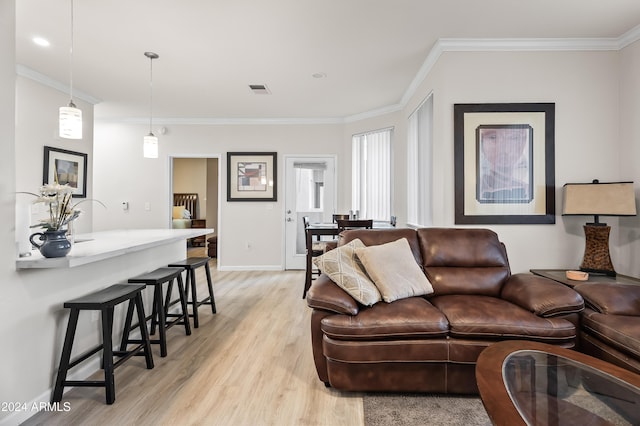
x=159, y=314
x=157, y=293
x=107, y=354
x=66, y=356
x=127, y=326
x=210, y=285
x=191, y=278
x=183, y=302
x=143, y=330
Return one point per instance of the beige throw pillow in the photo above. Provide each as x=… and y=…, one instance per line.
x=178, y=212
x=344, y=268
x=394, y=270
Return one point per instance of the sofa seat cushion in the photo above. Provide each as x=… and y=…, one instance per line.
x=620, y=331
x=375, y=351
x=487, y=317
x=408, y=318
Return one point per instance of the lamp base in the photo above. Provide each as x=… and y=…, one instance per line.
x=596, y=257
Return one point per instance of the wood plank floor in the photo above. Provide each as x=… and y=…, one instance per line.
x=249, y=364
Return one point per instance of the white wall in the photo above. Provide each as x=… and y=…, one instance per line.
x=122, y=174
x=36, y=126
x=584, y=87
x=627, y=253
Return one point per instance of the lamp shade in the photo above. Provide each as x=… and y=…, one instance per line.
x=150, y=146
x=70, y=119
x=599, y=199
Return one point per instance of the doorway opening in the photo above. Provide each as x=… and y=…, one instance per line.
x=197, y=177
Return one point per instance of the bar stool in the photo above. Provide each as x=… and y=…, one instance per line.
x=160, y=312
x=103, y=301
x=190, y=265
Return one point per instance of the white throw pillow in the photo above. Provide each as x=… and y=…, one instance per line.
x=344, y=268
x=394, y=270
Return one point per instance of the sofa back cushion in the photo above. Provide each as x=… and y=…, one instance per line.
x=464, y=261
x=374, y=237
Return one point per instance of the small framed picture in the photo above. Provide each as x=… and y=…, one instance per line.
x=252, y=176
x=66, y=168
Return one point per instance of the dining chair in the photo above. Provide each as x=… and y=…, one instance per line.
x=340, y=216
x=354, y=223
x=317, y=247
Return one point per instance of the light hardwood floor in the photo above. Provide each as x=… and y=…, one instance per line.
x=249, y=364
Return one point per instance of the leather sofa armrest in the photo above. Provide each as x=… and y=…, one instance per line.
x=614, y=299
x=326, y=295
x=542, y=296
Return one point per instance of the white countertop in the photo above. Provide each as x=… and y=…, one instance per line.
x=97, y=246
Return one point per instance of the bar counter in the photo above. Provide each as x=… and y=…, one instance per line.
x=97, y=246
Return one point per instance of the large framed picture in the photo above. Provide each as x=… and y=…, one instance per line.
x=504, y=163
x=252, y=176
x=66, y=168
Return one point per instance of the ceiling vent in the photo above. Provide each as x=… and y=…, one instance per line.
x=259, y=89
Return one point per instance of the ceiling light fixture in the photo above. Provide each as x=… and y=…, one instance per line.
x=150, y=147
x=70, y=117
x=41, y=41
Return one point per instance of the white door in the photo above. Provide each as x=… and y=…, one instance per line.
x=310, y=190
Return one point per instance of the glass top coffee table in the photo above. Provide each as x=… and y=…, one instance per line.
x=528, y=383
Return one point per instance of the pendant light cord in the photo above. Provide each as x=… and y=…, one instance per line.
x=150, y=94
x=71, y=61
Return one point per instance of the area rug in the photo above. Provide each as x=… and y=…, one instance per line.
x=422, y=409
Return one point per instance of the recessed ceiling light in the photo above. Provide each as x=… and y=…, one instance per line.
x=40, y=41
x=319, y=75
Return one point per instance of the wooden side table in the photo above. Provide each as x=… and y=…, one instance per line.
x=559, y=275
x=198, y=241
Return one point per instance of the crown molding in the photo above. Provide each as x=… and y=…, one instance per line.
x=217, y=121
x=34, y=75
x=515, y=45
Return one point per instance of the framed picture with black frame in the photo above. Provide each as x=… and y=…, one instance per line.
x=66, y=168
x=252, y=176
x=504, y=163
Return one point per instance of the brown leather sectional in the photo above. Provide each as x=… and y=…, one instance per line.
x=610, y=323
x=431, y=343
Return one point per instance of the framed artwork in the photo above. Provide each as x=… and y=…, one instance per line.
x=504, y=163
x=66, y=168
x=252, y=176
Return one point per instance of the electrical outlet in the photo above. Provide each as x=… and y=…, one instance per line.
x=95, y=316
x=147, y=206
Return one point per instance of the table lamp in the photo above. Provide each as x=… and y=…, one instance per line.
x=598, y=199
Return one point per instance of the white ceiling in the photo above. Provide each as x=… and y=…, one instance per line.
x=211, y=50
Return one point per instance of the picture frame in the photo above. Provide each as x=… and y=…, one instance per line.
x=252, y=176
x=66, y=167
x=504, y=163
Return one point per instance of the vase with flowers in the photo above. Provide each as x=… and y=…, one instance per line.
x=57, y=198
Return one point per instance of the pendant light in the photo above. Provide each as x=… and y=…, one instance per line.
x=70, y=117
x=150, y=147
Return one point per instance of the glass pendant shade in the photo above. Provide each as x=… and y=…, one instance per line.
x=150, y=146
x=70, y=119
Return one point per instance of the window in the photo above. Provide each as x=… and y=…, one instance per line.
x=419, y=146
x=371, y=174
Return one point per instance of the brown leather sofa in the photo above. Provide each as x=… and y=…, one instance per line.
x=431, y=343
x=610, y=323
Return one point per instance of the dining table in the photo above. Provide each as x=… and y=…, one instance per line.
x=326, y=229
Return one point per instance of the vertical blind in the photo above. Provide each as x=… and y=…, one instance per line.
x=371, y=174
x=419, y=160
